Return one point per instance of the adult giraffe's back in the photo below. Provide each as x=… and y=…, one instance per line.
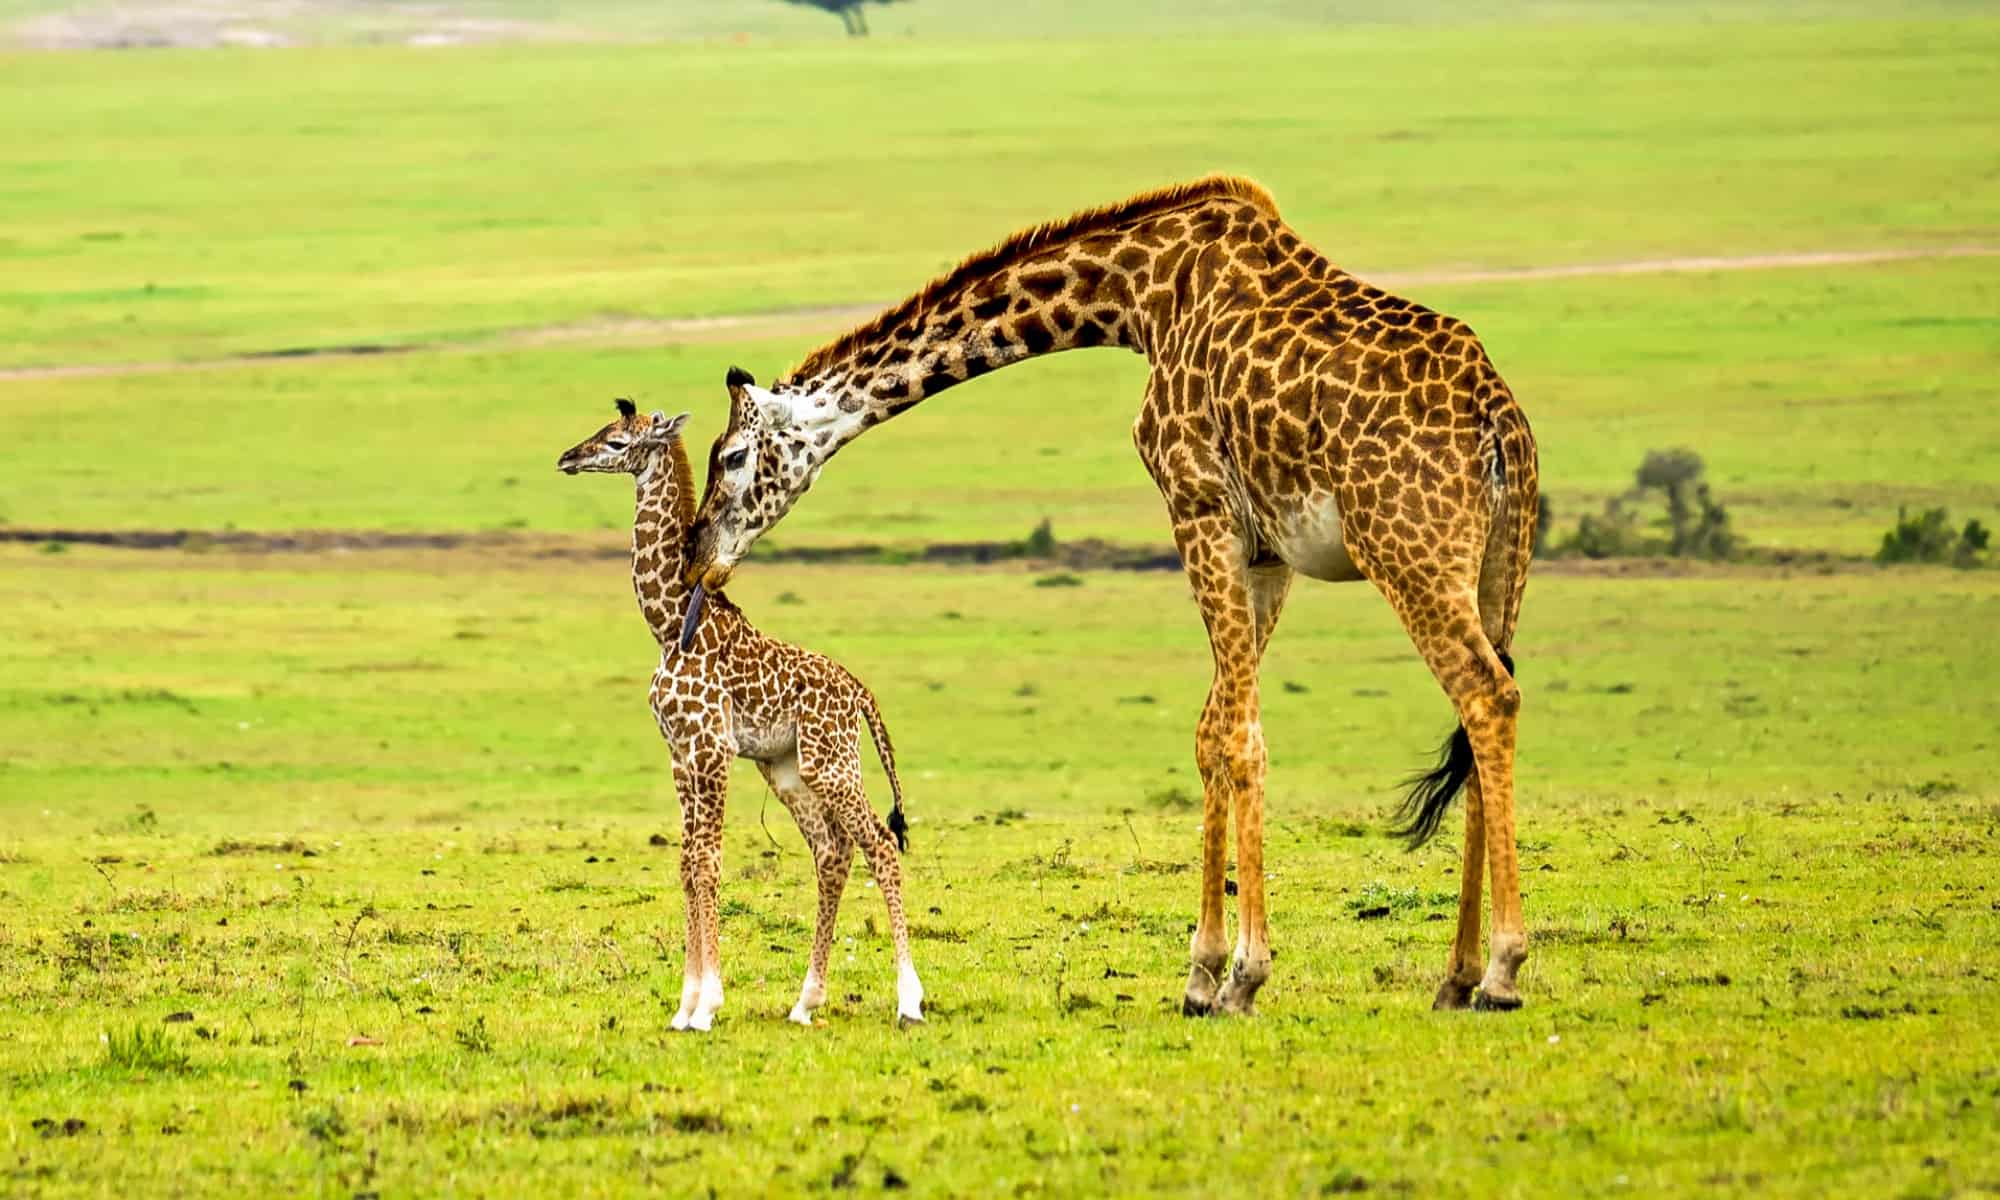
x=1296, y=420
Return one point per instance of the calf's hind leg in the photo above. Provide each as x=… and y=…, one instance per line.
x=833, y=856
x=830, y=764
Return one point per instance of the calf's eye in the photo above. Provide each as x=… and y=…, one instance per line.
x=734, y=459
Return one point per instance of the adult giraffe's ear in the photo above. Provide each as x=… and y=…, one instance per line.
x=743, y=391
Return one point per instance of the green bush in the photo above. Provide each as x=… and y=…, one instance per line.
x=1929, y=538
x=1695, y=525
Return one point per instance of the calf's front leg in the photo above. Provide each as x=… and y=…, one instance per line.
x=701, y=776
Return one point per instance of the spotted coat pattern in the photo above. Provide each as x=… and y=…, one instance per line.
x=1297, y=420
x=736, y=693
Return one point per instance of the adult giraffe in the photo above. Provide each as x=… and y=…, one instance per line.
x=1296, y=420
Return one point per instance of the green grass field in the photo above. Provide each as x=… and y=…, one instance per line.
x=408, y=797
x=1759, y=968
x=1881, y=385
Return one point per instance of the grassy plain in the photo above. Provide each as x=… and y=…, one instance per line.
x=1821, y=399
x=183, y=204
x=1760, y=851
x=409, y=796
x=171, y=206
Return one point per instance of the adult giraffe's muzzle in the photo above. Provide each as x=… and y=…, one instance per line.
x=713, y=576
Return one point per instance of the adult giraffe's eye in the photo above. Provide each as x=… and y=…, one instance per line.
x=735, y=459
x=614, y=447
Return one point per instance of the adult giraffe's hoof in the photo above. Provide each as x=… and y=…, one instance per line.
x=905, y=1021
x=1203, y=983
x=1239, y=993
x=1452, y=996
x=1494, y=1002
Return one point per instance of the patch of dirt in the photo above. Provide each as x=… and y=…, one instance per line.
x=1690, y=265
x=300, y=542
x=697, y=330
x=648, y=331
x=264, y=24
x=1085, y=554
x=1088, y=554
x=1772, y=563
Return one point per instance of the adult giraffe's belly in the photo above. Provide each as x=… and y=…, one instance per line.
x=1307, y=538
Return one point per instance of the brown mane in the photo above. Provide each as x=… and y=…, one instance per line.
x=1037, y=237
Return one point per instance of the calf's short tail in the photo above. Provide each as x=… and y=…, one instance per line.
x=898, y=824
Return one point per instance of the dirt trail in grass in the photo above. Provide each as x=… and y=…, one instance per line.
x=825, y=318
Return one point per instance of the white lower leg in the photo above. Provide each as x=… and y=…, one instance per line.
x=1504, y=958
x=708, y=1002
x=690, y=996
x=909, y=993
x=811, y=996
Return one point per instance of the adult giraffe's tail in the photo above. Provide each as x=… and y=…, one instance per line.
x=1503, y=575
x=887, y=753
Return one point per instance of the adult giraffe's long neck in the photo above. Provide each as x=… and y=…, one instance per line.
x=661, y=515
x=1108, y=277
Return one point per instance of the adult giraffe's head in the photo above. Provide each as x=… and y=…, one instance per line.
x=775, y=444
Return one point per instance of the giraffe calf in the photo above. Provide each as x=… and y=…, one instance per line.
x=734, y=693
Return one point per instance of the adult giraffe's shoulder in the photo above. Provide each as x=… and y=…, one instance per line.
x=1297, y=420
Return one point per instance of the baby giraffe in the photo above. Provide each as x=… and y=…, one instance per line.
x=735, y=693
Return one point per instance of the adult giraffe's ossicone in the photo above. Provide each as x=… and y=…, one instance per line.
x=1296, y=420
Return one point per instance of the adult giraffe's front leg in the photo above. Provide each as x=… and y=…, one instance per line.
x=1229, y=748
x=1250, y=966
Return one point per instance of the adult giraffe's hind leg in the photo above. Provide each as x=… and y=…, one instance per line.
x=1442, y=616
x=1462, y=974
x=1493, y=748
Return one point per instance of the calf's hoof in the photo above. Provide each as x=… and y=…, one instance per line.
x=1495, y=1002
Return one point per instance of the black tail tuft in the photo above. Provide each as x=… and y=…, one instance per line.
x=899, y=827
x=1432, y=792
